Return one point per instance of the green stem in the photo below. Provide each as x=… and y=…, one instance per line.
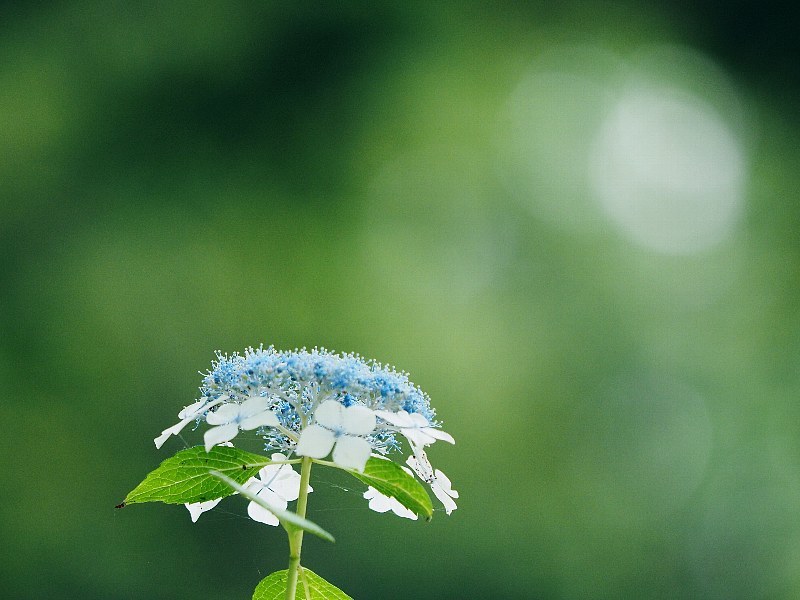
x=296, y=535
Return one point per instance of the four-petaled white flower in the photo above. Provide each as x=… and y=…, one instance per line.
x=230, y=418
x=339, y=428
x=415, y=428
x=186, y=416
x=276, y=485
x=439, y=482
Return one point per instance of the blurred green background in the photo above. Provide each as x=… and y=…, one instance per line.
x=575, y=224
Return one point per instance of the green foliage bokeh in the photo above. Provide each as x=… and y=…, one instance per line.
x=199, y=177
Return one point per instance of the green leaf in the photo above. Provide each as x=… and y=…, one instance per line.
x=390, y=479
x=288, y=519
x=186, y=478
x=310, y=586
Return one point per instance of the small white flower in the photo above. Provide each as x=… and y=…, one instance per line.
x=277, y=485
x=439, y=482
x=230, y=418
x=186, y=416
x=339, y=428
x=415, y=428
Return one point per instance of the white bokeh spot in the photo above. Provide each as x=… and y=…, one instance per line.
x=668, y=171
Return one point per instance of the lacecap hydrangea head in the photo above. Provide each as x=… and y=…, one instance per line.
x=317, y=403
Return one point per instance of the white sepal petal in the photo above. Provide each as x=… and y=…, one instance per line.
x=330, y=414
x=444, y=498
x=286, y=483
x=415, y=427
x=351, y=452
x=197, y=409
x=217, y=435
x=377, y=501
x=400, y=418
x=421, y=466
x=440, y=435
x=191, y=411
x=416, y=437
x=186, y=416
x=223, y=415
x=443, y=490
x=262, y=419
x=253, y=406
x=198, y=508
x=174, y=430
x=380, y=503
x=261, y=514
x=358, y=420
x=443, y=482
x=315, y=441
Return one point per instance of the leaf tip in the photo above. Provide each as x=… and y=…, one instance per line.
x=121, y=505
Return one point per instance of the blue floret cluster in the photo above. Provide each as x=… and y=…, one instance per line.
x=301, y=379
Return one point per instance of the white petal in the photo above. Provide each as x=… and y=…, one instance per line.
x=422, y=467
x=217, y=435
x=198, y=508
x=417, y=437
x=440, y=435
x=273, y=473
x=443, y=481
x=358, y=420
x=224, y=414
x=415, y=427
x=400, y=418
x=159, y=441
x=261, y=514
x=174, y=430
x=351, y=452
x=190, y=412
x=444, y=498
x=330, y=414
x=315, y=441
x=287, y=483
x=253, y=406
x=377, y=501
x=380, y=503
x=402, y=511
x=273, y=499
x=418, y=420
x=268, y=473
x=265, y=418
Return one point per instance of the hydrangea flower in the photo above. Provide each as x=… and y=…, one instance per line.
x=317, y=403
x=230, y=418
x=186, y=416
x=277, y=485
x=341, y=429
x=440, y=484
x=416, y=428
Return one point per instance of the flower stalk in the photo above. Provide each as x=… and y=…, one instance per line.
x=295, y=533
